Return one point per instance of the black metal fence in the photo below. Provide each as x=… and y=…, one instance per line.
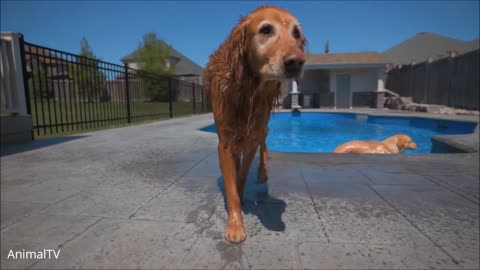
x=67, y=92
x=451, y=81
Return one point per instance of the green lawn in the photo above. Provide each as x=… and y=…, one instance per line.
x=75, y=117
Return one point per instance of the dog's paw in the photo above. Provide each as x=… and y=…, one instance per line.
x=235, y=233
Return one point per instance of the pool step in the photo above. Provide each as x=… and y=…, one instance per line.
x=361, y=117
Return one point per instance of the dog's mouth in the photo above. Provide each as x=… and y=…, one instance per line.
x=287, y=74
x=273, y=72
x=292, y=73
x=412, y=145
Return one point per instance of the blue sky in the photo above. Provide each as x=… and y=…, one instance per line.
x=196, y=28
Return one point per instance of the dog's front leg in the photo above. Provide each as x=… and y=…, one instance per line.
x=262, y=169
x=243, y=175
x=262, y=175
x=235, y=231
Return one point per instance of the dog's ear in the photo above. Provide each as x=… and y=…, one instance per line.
x=237, y=51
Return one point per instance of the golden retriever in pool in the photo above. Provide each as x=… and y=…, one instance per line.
x=393, y=145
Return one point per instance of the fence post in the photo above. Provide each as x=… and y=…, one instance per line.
x=425, y=89
x=170, y=97
x=410, y=80
x=193, y=96
x=14, y=73
x=451, y=65
x=24, y=74
x=21, y=42
x=127, y=88
x=203, y=93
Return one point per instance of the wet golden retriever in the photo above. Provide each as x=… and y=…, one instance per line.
x=393, y=145
x=242, y=80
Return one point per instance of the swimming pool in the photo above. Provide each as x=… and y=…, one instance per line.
x=312, y=132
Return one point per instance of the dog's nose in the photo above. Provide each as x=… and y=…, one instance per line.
x=293, y=63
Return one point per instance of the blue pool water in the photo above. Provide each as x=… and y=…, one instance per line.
x=322, y=132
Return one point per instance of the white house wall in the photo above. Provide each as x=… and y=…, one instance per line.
x=361, y=80
x=133, y=65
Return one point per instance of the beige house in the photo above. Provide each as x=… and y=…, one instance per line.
x=185, y=68
x=341, y=80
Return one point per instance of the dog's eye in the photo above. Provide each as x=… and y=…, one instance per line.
x=266, y=30
x=296, y=32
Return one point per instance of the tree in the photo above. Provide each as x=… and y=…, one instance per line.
x=152, y=56
x=86, y=73
x=327, y=47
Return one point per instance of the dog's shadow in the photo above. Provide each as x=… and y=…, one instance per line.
x=257, y=201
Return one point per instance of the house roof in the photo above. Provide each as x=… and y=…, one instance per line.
x=424, y=45
x=472, y=45
x=45, y=56
x=345, y=58
x=184, y=66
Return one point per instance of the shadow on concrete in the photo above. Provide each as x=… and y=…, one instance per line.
x=35, y=144
x=258, y=202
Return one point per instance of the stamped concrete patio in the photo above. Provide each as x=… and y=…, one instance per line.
x=150, y=196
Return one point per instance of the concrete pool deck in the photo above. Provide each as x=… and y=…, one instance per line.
x=150, y=196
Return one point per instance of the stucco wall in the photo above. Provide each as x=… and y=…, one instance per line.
x=361, y=80
x=322, y=82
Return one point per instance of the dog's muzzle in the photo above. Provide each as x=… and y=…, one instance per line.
x=293, y=64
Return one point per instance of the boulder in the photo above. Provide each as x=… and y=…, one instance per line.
x=397, y=103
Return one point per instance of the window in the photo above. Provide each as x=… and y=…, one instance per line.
x=172, y=61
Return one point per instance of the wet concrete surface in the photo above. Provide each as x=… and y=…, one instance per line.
x=151, y=196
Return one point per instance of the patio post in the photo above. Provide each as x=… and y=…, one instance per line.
x=294, y=97
x=380, y=92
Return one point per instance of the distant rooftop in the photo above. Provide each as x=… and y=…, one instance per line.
x=185, y=66
x=424, y=45
x=346, y=58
